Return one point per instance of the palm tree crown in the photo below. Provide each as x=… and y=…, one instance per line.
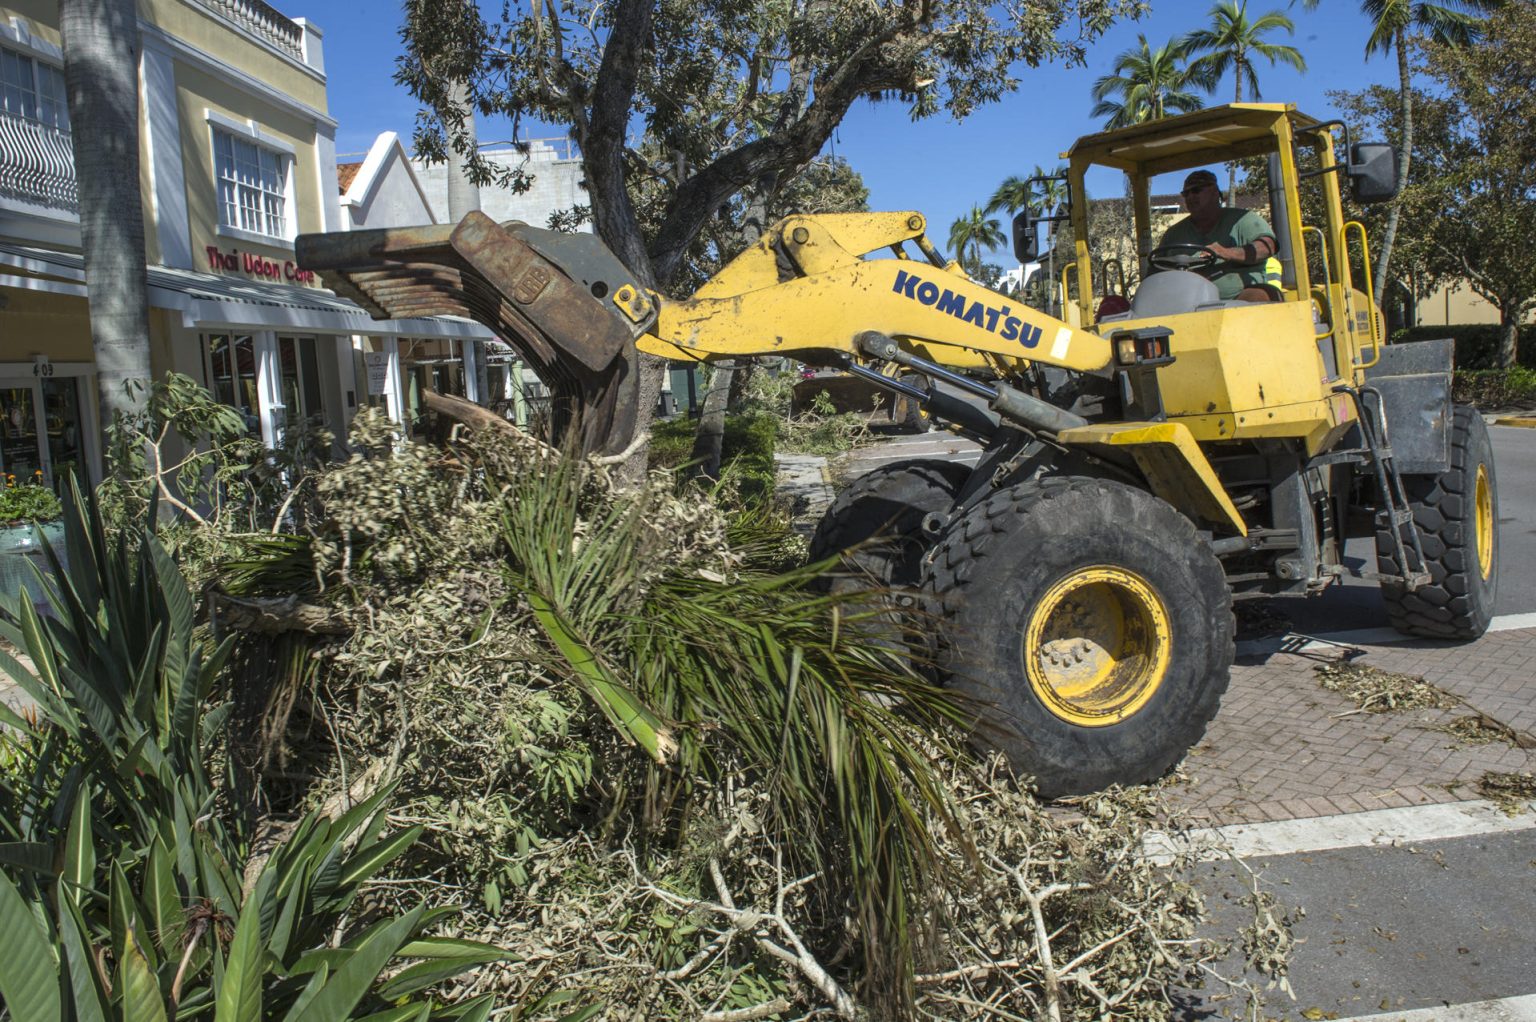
x=1016, y=193
x=1150, y=84
x=1233, y=40
x=1454, y=24
x=975, y=232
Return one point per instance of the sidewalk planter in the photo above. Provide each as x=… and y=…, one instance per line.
x=21, y=548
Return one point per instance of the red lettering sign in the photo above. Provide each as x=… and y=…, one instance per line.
x=235, y=261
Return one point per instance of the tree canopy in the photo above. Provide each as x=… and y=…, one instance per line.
x=679, y=105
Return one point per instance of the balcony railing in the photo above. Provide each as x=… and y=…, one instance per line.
x=37, y=164
x=263, y=20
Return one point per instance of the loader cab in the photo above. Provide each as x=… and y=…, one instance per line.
x=1294, y=169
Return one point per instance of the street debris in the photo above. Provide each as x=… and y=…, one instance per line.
x=1479, y=729
x=1376, y=691
x=1512, y=792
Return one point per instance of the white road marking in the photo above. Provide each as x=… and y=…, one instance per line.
x=1508, y=1009
x=1296, y=643
x=1375, y=827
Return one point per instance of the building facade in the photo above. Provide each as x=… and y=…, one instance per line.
x=238, y=159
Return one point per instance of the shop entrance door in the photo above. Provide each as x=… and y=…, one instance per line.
x=40, y=430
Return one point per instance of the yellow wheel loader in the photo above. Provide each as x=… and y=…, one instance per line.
x=1142, y=468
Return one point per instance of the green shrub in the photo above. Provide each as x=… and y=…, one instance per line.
x=746, y=450
x=1477, y=344
x=29, y=502
x=128, y=889
x=1494, y=388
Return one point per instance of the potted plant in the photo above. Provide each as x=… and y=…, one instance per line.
x=29, y=510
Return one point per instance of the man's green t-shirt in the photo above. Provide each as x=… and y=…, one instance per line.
x=1236, y=228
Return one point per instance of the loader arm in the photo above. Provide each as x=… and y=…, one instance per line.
x=807, y=289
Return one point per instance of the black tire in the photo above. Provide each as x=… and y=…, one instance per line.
x=1002, y=566
x=877, y=522
x=911, y=417
x=1464, y=571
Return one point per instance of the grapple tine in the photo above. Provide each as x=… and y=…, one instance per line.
x=544, y=294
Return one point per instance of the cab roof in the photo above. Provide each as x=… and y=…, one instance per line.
x=1217, y=134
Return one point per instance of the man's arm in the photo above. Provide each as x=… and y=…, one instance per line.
x=1255, y=251
x=1253, y=241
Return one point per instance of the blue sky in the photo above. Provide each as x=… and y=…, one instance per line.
x=938, y=166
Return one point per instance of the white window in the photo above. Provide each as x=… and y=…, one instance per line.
x=253, y=185
x=31, y=89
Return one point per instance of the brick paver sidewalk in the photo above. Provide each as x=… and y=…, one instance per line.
x=1283, y=747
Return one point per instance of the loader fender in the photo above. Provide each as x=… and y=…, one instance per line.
x=1174, y=466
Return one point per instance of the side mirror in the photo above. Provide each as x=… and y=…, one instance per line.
x=1372, y=171
x=1026, y=237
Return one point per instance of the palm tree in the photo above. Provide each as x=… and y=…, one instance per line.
x=1047, y=193
x=1230, y=43
x=1150, y=84
x=101, y=74
x=977, y=232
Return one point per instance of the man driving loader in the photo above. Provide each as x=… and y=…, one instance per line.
x=1240, y=242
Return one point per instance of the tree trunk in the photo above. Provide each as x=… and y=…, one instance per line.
x=464, y=199
x=1405, y=98
x=1509, y=339
x=101, y=65
x=1232, y=167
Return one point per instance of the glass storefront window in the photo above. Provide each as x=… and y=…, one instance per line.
x=301, y=380
x=232, y=374
x=41, y=430
x=21, y=455
x=61, y=415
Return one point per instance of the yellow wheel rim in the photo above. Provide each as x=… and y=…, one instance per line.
x=1097, y=646
x=1484, y=498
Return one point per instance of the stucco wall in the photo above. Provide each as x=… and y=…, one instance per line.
x=198, y=93
x=393, y=200
x=557, y=186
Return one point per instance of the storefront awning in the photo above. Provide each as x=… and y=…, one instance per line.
x=214, y=301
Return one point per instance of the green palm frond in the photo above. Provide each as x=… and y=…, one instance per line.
x=747, y=672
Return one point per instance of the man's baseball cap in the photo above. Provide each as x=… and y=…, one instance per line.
x=1198, y=178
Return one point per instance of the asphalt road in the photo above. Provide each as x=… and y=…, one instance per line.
x=1357, y=603
x=1391, y=929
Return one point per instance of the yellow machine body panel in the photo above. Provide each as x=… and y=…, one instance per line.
x=1249, y=371
x=1171, y=460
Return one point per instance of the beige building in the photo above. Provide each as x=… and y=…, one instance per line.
x=238, y=158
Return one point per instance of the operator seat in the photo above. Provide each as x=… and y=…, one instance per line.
x=1171, y=292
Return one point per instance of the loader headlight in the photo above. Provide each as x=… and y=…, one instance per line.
x=1145, y=347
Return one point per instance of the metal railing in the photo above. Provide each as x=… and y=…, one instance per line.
x=263, y=20
x=37, y=164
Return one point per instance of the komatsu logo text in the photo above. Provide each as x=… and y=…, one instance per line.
x=989, y=318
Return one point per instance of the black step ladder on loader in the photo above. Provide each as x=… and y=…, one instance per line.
x=1395, y=511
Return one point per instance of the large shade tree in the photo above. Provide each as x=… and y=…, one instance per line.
x=1473, y=202
x=680, y=105
x=1393, y=22
x=101, y=77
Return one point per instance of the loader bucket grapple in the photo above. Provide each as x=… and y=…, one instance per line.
x=544, y=294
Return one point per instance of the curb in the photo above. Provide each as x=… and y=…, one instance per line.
x=1525, y=421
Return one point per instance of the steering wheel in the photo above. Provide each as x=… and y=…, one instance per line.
x=1182, y=257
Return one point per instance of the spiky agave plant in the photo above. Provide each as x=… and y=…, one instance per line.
x=715, y=669
x=124, y=887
